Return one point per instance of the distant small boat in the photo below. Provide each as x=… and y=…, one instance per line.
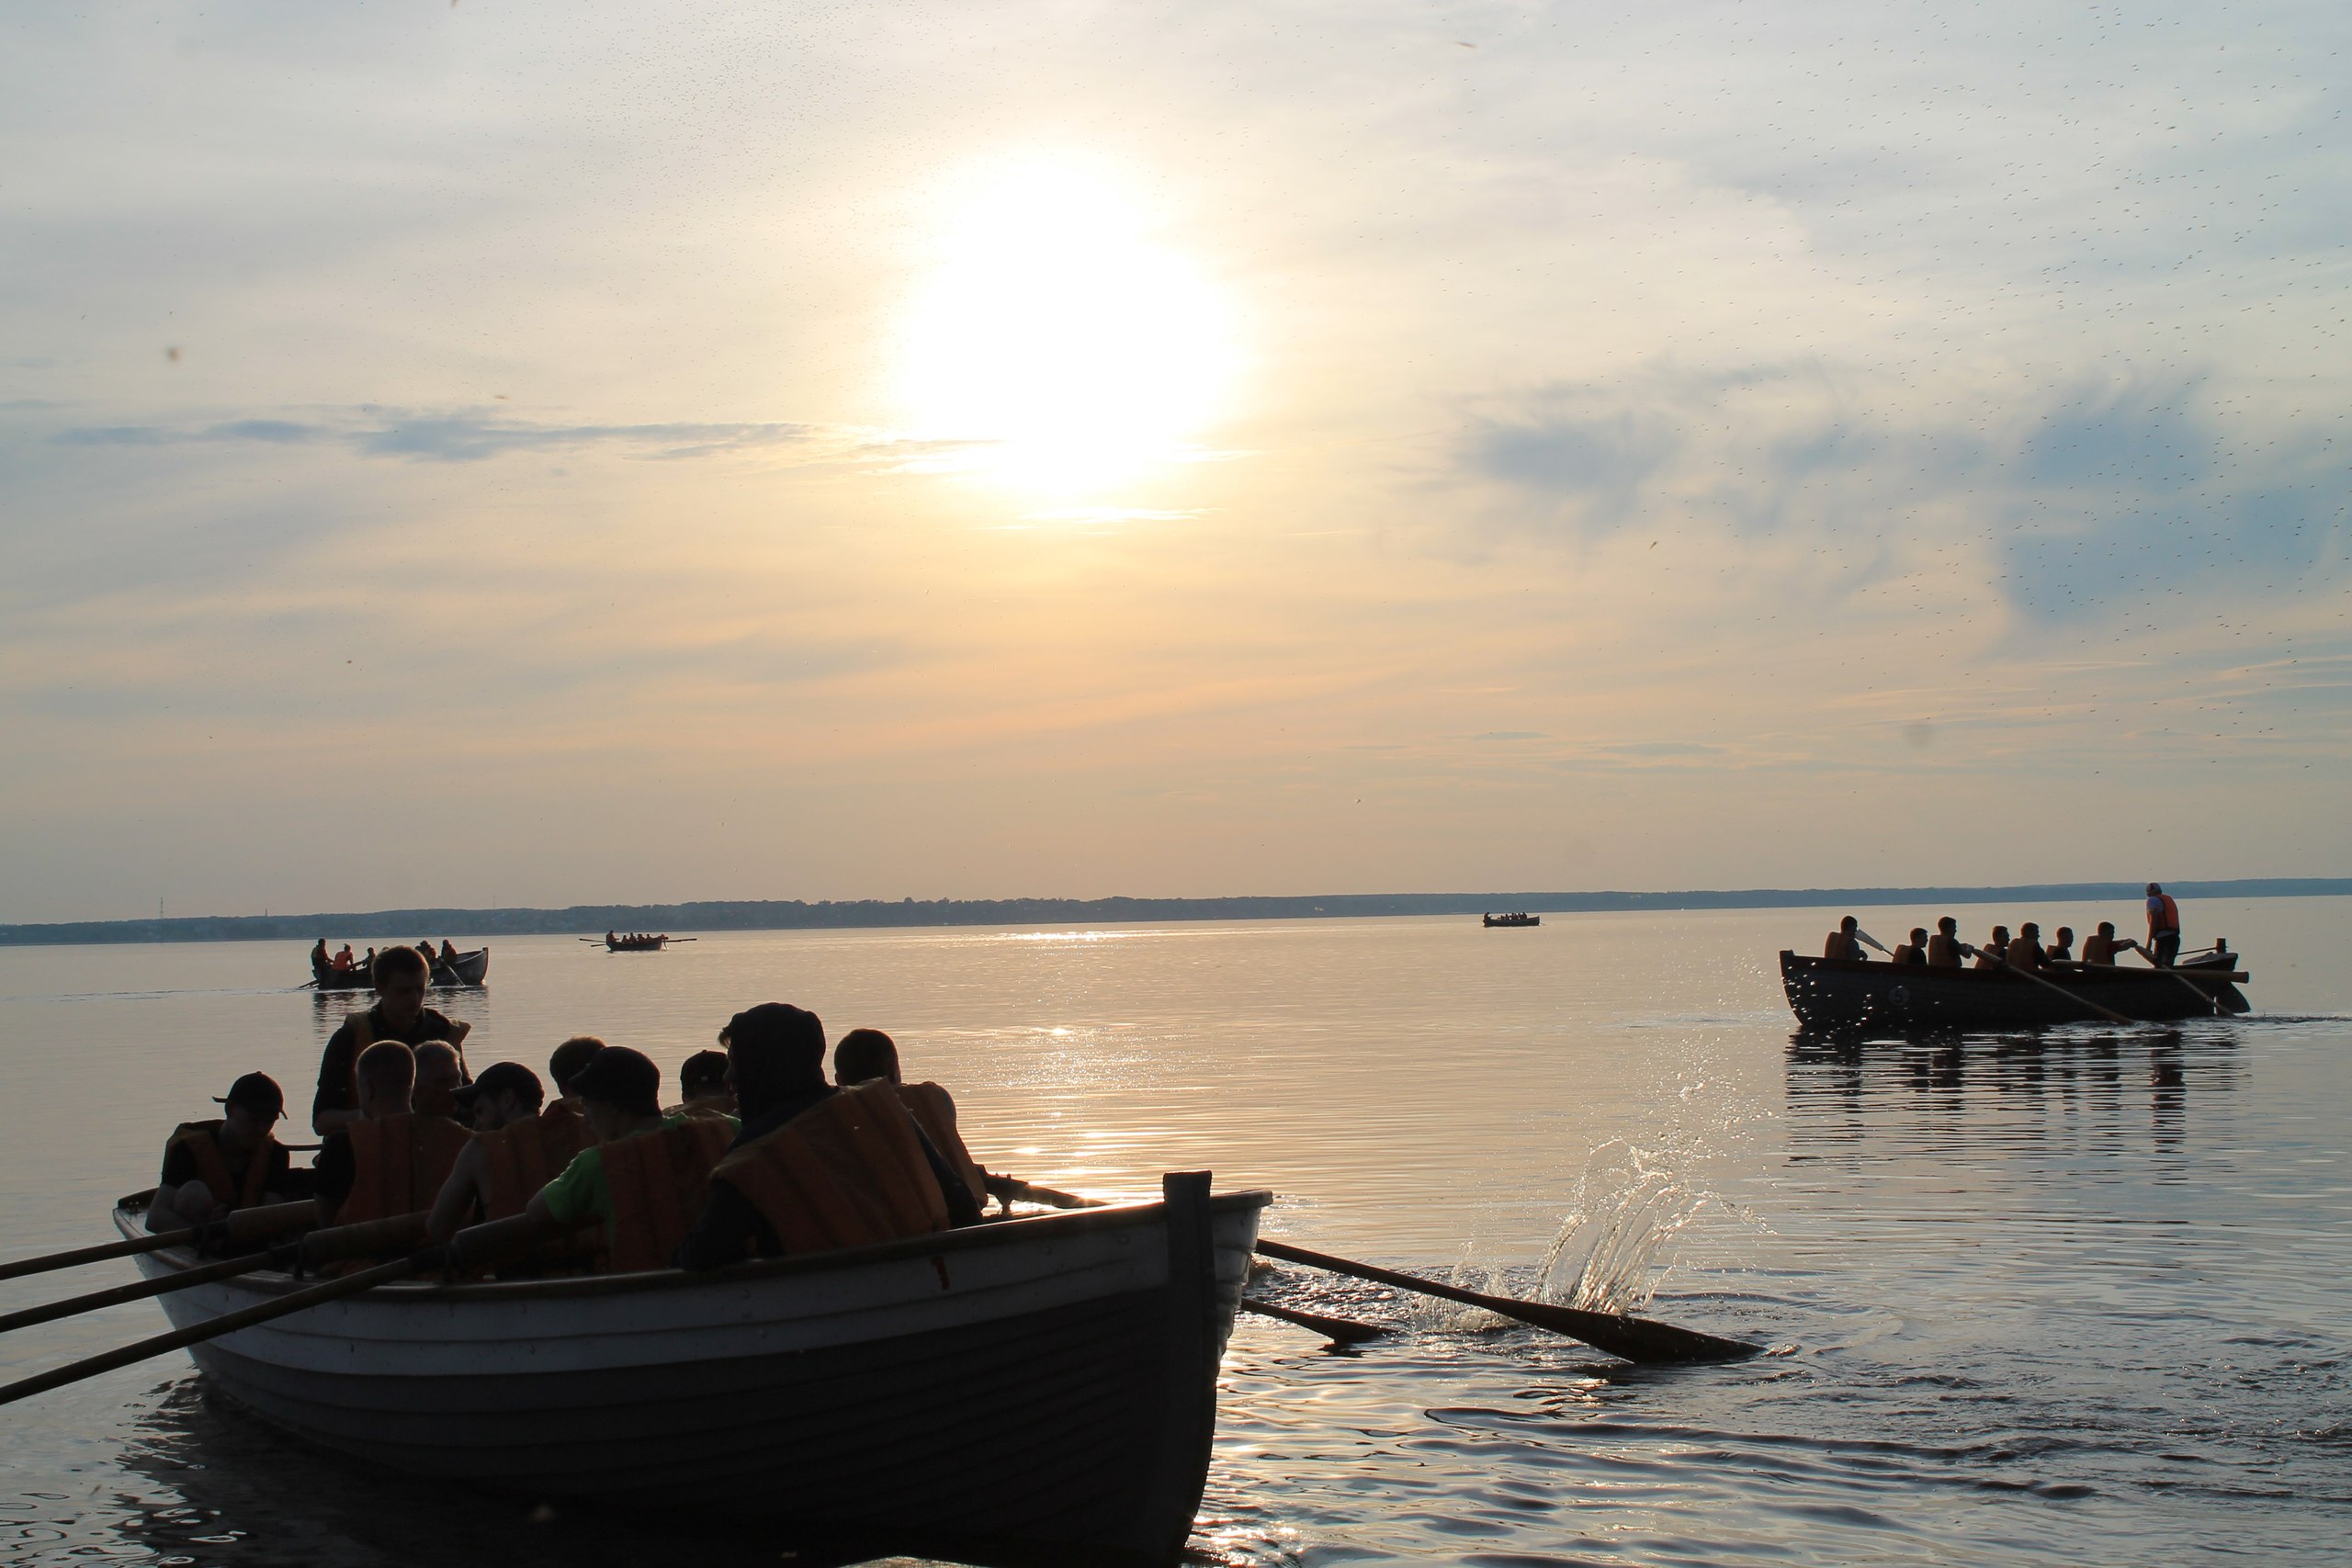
x=1850, y=995
x=636, y=941
x=1521, y=918
x=470, y=969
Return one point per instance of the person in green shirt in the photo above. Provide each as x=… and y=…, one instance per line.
x=620, y=1095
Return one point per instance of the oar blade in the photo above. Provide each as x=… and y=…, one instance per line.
x=1640, y=1340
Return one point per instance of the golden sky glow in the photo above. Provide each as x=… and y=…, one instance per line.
x=1000, y=448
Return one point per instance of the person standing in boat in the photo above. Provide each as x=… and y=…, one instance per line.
x=1843, y=943
x=2100, y=947
x=1914, y=951
x=1943, y=948
x=647, y=1174
x=400, y=1013
x=2163, y=927
x=211, y=1167
x=1991, y=954
x=319, y=959
x=2024, y=951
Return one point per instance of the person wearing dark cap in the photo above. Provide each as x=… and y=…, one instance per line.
x=211, y=1167
x=646, y=1177
x=702, y=1080
x=776, y=1055
x=509, y=1146
x=569, y=1058
x=401, y=974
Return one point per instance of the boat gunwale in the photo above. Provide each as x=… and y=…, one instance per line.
x=989, y=1233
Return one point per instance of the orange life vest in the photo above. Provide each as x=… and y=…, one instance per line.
x=659, y=1181
x=930, y=1105
x=848, y=1171
x=524, y=1155
x=202, y=1141
x=2170, y=921
x=399, y=1165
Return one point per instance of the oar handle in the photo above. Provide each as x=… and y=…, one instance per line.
x=1013, y=1187
x=241, y=1225
x=162, y=1285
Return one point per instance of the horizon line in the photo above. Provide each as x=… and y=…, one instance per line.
x=793, y=914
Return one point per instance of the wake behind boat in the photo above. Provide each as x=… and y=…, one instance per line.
x=1043, y=1383
x=1844, y=995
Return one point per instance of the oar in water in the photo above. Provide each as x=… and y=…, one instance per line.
x=2211, y=998
x=244, y=1224
x=470, y=1248
x=1339, y=1330
x=1637, y=1339
x=2075, y=997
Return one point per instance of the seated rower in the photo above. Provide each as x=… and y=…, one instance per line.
x=391, y=1161
x=211, y=1167
x=1991, y=955
x=2061, y=947
x=2025, y=950
x=817, y=1167
x=2100, y=947
x=1914, y=951
x=343, y=960
x=439, y=1077
x=515, y=1150
x=1843, y=943
x=647, y=1174
x=1943, y=948
x=702, y=1080
x=400, y=1013
x=865, y=1056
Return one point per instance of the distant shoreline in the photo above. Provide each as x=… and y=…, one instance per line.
x=407, y=925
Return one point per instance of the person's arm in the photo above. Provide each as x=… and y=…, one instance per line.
x=456, y=1202
x=332, y=1105
x=961, y=1208
x=729, y=1230
x=333, y=1176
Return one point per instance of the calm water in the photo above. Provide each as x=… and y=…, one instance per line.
x=2064, y=1298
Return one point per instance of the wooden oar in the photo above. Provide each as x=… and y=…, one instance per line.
x=470, y=1248
x=2075, y=997
x=2211, y=998
x=1341, y=1330
x=1873, y=942
x=244, y=1224
x=1635, y=1339
x=50, y=1312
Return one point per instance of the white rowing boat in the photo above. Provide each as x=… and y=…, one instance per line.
x=1046, y=1383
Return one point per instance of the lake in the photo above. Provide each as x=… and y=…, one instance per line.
x=2063, y=1297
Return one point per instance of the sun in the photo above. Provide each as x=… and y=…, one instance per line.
x=1058, y=337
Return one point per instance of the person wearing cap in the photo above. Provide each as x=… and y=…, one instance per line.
x=645, y=1178
x=568, y=1060
x=506, y=1096
x=211, y=1167
x=702, y=1081
x=776, y=1055
x=401, y=974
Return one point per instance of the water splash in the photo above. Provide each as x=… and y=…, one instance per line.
x=1615, y=1249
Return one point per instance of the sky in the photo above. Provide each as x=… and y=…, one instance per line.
x=512, y=453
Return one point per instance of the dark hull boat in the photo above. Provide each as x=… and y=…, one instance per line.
x=470, y=969
x=1495, y=922
x=1039, y=1386
x=1846, y=996
x=636, y=943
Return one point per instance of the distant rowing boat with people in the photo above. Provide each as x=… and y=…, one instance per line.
x=1043, y=1383
x=1842, y=994
x=636, y=942
x=471, y=968
x=1493, y=922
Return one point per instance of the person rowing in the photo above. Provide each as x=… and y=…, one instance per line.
x=439, y=1076
x=868, y=1055
x=2024, y=951
x=1990, y=955
x=647, y=1174
x=2062, y=946
x=1844, y=943
x=702, y=1084
x=1914, y=951
x=1943, y=948
x=390, y=1160
x=2100, y=947
x=400, y=1014
x=211, y=1168
x=507, y=1095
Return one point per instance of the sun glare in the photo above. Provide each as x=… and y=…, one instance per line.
x=1057, y=335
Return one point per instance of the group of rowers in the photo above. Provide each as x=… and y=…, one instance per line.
x=343, y=963
x=763, y=1155
x=2025, y=950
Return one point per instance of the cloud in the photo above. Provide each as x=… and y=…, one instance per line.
x=461, y=436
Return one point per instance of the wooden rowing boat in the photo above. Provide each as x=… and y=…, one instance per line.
x=638, y=942
x=470, y=969
x=1850, y=995
x=1037, y=1384
x=1501, y=922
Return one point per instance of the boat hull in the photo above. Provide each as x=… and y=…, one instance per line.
x=470, y=969
x=1042, y=1384
x=1845, y=996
